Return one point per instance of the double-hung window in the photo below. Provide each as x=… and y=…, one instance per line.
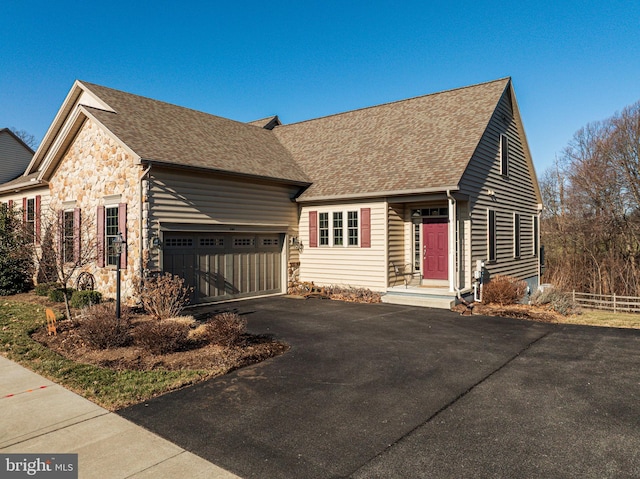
x=30, y=217
x=111, y=233
x=68, y=236
x=352, y=228
x=338, y=231
x=323, y=226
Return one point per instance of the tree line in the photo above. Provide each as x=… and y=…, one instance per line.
x=591, y=220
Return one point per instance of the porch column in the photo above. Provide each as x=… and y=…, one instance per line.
x=453, y=251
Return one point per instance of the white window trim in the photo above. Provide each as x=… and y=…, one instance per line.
x=328, y=229
x=517, y=238
x=106, y=236
x=358, y=226
x=535, y=235
x=495, y=235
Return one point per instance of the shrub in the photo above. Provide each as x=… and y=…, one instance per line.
x=99, y=327
x=557, y=300
x=82, y=299
x=163, y=296
x=57, y=295
x=504, y=290
x=162, y=337
x=224, y=329
x=43, y=289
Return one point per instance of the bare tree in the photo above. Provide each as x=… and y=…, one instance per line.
x=591, y=225
x=25, y=136
x=67, y=246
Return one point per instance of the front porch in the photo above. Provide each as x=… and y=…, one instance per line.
x=429, y=251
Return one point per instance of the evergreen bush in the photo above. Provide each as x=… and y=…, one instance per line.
x=16, y=253
x=57, y=295
x=43, y=289
x=82, y=299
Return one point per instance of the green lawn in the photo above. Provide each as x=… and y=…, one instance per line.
x=108, y=388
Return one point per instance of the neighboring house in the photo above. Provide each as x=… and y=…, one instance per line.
x=15, y=155
x=421, y=189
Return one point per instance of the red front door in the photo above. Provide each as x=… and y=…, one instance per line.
x=435, y=254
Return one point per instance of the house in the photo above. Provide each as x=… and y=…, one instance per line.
x=15, y=155
x=411, y=198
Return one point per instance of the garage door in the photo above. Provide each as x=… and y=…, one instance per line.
x=225, y=266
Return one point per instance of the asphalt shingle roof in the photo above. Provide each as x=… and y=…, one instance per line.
x=417, y=144
x=166, y=133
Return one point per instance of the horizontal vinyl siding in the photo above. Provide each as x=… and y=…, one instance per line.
x=14, y=157
x=346, y=265
x=178, y=197
x=513, y=194
x=397, y=250
x=45, y=198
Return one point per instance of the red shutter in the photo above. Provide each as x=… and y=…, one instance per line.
x=313, y=229
x=100, y=238
x=37, y=219
x=24, y=210
x=365, y=227
x=122, y=226
x=10, y=204
x=76, y=235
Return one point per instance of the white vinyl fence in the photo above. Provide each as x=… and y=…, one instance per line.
x=609, y=302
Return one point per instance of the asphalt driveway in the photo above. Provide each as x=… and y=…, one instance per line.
x=387, y=391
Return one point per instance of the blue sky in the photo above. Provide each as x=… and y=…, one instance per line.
x=572, y=62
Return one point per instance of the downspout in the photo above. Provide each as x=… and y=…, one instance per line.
x=144, y=241
x=453, y=227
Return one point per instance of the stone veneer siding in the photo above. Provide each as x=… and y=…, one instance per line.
x=96, y=166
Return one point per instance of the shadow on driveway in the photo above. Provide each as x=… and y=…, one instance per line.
x=392, y=391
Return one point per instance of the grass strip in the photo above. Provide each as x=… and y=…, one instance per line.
x=592, y=317
x=106, y=387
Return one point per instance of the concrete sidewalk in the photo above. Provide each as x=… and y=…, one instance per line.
x=38, y=416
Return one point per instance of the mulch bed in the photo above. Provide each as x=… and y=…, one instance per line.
x=517, y=311
x=250, y=349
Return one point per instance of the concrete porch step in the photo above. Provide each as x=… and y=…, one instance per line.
x=415, y=300
x=435, y=297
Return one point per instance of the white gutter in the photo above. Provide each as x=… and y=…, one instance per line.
x=143, y=240
x=379, y=194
